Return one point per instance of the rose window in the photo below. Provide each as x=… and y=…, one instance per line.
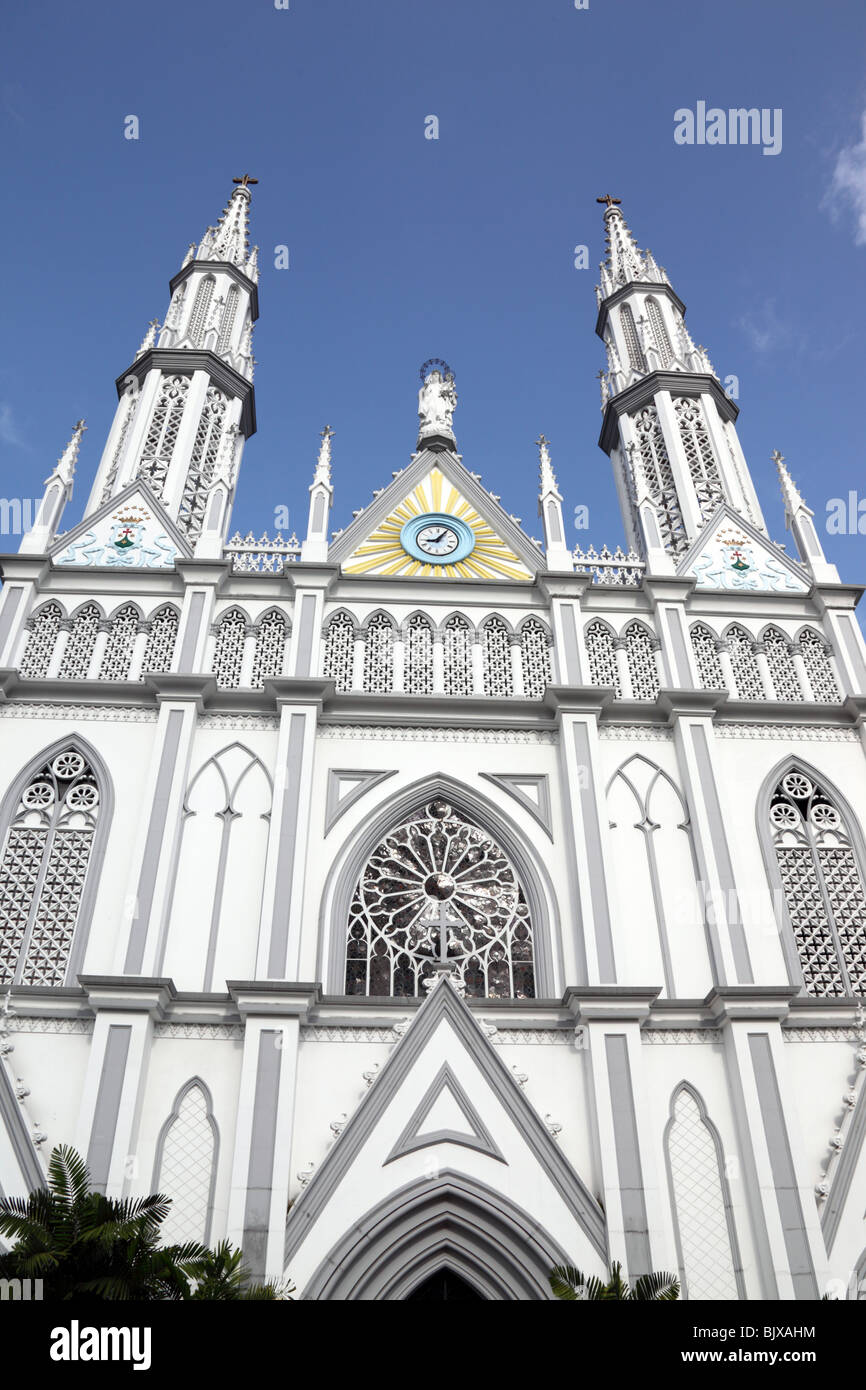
x=439, y=890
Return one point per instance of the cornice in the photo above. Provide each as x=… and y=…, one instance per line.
x=563, y=585
x=441, y=711
x=611, y=1003
x=274, y=998
x=669, y=588
x=188, y=360
x=222, y=268
x=641, y=393
x=129, y=994
x=829, y=597
x=24, y=567
x=750, y=1003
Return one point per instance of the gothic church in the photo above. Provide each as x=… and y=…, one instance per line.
x=425, y=902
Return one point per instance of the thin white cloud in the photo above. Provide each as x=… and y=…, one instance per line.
x=767, y=332
x=849, y=182
x=8, y=429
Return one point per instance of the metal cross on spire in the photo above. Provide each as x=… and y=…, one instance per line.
x=245, y=181
x=777, y=457
x=610, y=200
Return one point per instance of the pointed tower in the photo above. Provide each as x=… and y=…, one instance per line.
x=669, y=428
x=189, y=391
x=315, y=546
x=58, y=490
x=550, y=510
x=799, y=520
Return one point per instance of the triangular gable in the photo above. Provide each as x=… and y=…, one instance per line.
x=354, y=1170
x=530, y=790
x=445, y=1115
x=437, y=484
x=732, y=554
x=345, y=785
x=130, y=531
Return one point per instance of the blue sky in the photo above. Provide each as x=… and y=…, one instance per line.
x=404, y=248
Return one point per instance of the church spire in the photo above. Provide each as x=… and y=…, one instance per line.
x=315, y=546
x=550, y=511
x=189, y=388
x=58, y=490
x=669, y=427
x=799, y=521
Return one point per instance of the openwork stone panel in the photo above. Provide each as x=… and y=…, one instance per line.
x=603, y=669
x=783, y=674
x=439, y=890
x=202, y=463
x=659, y=332
x=228, y=319
x=747, y=675
x=535, y=653
x=44, y=628
x=418, y=669
x=159, y=648
x=699, y=1203
x=43, y=870
x=496, y=650
x=340, y=650
x=823, y=886
x=632, y=342
x=79, y=647
x=270, y=648
x=229, y=650
x=816, y=659
x=700, y=455
x=652, y=460
x=186, y=1169
x=707, y=658
x=200, y=311
x=642, y=665
x=162, y=431
x=117, y=657
x=379, y=655
x=457, y=656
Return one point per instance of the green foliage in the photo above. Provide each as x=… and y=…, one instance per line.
x=94, y=1249
x=570, y=1284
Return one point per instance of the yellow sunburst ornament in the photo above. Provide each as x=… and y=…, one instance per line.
x=435, y=532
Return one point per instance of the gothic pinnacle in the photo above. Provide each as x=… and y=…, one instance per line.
x=790, y=492
x=229, y=240
x=65, y=469
x=323, y=463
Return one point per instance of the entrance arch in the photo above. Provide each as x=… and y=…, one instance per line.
x=428, y=1229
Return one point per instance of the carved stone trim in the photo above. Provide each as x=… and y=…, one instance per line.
x=815, y=733
x=398, y=734
x=115, y=714
x=671, y=1037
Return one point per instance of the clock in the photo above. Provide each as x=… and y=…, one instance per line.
x=437, y=539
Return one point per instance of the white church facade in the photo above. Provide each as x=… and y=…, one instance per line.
x=424, y=901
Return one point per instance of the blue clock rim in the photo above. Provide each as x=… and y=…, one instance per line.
x=409, y=538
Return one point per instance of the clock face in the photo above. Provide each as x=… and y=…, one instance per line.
x=437, y=539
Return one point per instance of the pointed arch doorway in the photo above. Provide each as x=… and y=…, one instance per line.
x=444, y=1287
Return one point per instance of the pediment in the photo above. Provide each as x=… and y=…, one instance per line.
x=437, y=484
x=732, y=554
x=130, y=531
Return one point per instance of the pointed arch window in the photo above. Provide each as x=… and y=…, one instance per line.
x=496, y=653
x=783, y=673
x=44, y=627
x=43, y=870
x=654, y=465
x=822, y=884
x=162, y=431
x=603, y=668
x=700, y=455
x=659, y=332
x=340, y=650
x=79, y=648
x=535, y=654
x=202, y=462
x=706, y=1240
x=159, y=649
x=229, y=649
x=640, y=647
x=379, y=655
x=418, y=670
x=632, y=342
x=186, y=1166
x=120, y=646
x=747, y=674
x=457, y=656
x=229, y=313
x=270, y=648
x=816, y=659
x=438, y=889
x=707, y=661
x=200, y=310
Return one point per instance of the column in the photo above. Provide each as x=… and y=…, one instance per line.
x=138, y=650
x=620, y=648
x=246, y=677
x=764, y=669
x=358, y=662
x=438, y=662
x=477, y=665
x=59, y=649
x=103, y=631
x=517, y=666
x=724, y=653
